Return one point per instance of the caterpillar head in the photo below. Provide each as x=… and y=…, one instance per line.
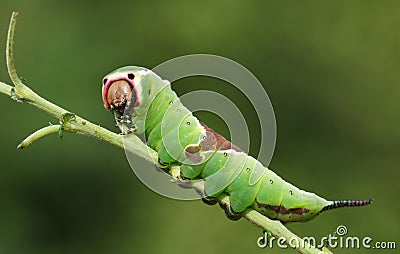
x=129, y=92
x=122, y=88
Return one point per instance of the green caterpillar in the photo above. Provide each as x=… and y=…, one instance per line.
x=143, y=103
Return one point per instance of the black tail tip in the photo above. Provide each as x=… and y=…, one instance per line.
x=347, y=203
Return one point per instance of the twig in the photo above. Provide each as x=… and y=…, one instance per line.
x=5, y=89
x=10, y=51
x=74, y=124
x=38, y=134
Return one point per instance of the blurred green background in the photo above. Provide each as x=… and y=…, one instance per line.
x=331, y=71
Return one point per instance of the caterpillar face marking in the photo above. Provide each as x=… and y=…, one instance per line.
x=131, y=76
x=146, y=104
x=119, y=93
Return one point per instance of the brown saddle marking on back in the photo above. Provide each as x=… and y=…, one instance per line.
x=221, y=142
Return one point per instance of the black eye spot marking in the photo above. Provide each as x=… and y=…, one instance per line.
x=105, y=81
x=290, y=192
x=131, y=76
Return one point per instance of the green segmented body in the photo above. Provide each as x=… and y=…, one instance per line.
x=179, y=138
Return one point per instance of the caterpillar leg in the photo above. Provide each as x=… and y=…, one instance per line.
x=230, y=214
x=158, y=168
x=124, y=123
x=185, y=182
x=129, y=131
x=210, y=200
x=126, y=119
x=178, y=177
x=162, y=165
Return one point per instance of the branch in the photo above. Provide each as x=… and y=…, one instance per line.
x=38, y=134
x=5, y=89
x=10, y=51
x=72, y=123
